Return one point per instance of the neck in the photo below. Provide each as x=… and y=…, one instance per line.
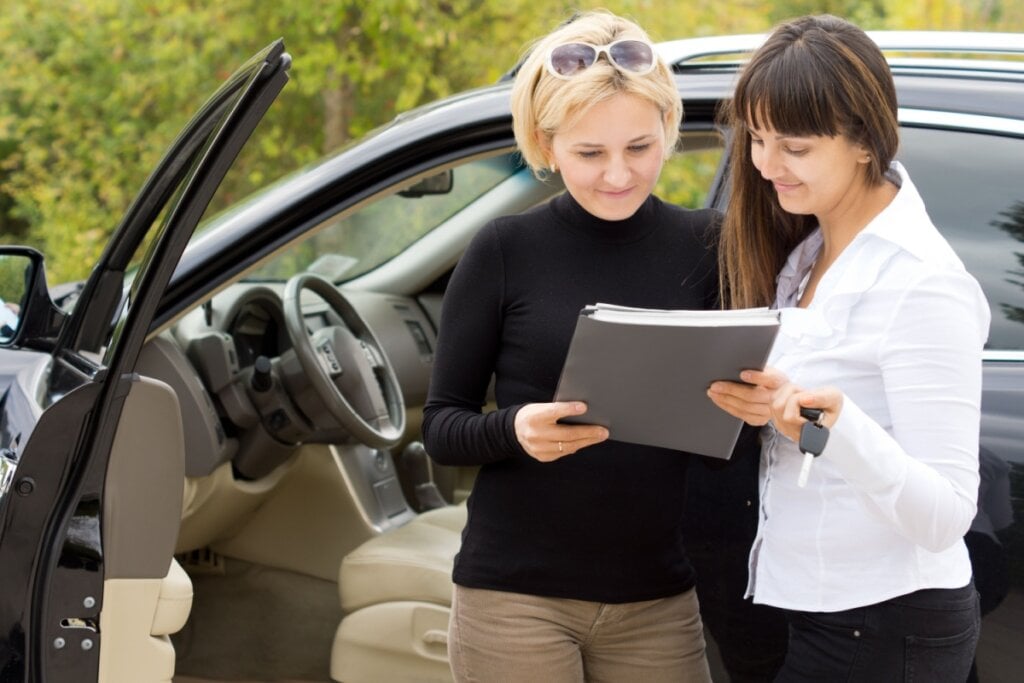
x=854, y=213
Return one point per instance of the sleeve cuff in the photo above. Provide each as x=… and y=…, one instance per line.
x=508, y=420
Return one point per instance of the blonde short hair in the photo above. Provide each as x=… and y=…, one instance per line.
x=542, y=104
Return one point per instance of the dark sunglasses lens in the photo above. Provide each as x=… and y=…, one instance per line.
x=572, y=57
x=632, y=55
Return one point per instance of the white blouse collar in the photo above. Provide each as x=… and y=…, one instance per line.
x=904, y=224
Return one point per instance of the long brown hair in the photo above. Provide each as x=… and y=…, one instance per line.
x=814, y=76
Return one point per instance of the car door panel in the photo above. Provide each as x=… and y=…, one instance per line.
x=52, y=553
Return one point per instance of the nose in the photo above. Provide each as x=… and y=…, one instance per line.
x=617, y=172
x=766, y=161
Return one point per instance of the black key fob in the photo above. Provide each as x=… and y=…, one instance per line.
x=811, y=414
x=813, y=438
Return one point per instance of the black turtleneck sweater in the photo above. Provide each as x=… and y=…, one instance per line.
x=603, y=524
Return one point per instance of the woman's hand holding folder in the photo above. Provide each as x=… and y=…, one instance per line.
x=770, y=396
x=544, y=439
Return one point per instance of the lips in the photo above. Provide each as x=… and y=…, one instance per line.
x=782, y=188
x=617, y=194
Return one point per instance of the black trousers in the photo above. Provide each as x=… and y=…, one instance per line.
x=929, y=635
x=719, y=527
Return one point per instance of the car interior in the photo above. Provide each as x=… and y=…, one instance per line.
x=311, y=531
x=313, y=538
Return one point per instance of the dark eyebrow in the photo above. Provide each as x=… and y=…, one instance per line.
x=779, y=136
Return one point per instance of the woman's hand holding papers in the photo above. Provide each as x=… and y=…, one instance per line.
x=544, y=439
x=769, y=396
x=748, y=400
x=788, y=399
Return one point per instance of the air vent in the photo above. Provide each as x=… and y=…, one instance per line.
x=420, y=337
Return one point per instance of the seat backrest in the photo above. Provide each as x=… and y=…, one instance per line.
x=146, y=595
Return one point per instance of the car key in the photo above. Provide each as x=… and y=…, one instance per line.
x=813, y=437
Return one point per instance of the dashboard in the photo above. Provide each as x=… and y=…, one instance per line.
x=212, y=355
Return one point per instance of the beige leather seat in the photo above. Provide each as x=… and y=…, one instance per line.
x=396, y=592
x=147, y=596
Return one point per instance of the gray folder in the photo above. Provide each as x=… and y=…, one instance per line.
x=647, y=381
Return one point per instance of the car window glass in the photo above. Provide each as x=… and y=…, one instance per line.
x=15, y=277
x=352, y=244
x=973, y=186
x=688, y=174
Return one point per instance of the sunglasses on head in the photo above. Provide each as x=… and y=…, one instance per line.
x=632, y=56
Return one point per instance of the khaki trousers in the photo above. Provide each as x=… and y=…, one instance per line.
x=499, y=637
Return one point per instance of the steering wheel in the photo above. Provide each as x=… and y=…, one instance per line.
x=346, y=365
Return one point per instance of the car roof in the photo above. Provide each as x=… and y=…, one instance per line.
x=978, y=73
x=690, y=51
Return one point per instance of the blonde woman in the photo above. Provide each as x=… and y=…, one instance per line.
x=572, y=565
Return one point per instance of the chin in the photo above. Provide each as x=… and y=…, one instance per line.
x=794, y=208
x=615, y=212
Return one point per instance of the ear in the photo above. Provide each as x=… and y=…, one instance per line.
x=863, y=155
x=544, y=142
x=666, y=127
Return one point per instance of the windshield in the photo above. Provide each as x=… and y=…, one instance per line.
x=350, y=244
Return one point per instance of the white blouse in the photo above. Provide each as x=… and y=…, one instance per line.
x=898, y=325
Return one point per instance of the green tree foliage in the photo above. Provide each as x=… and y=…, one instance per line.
x=92, y=94
x=95, y=90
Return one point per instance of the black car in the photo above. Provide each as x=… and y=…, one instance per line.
x=210, y=464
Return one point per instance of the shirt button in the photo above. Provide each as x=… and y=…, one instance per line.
x=856, y=634
x=749, y=503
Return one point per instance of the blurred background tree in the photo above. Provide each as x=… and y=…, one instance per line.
x=94, y=90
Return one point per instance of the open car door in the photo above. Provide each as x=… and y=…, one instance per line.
x=75, y=520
